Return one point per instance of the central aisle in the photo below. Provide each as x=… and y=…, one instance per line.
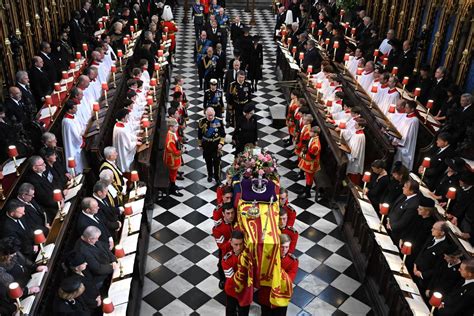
x=181, y=266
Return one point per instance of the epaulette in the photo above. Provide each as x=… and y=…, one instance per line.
x=218, y=222
x=288, y=206
x=292, y=256
x=227, y=255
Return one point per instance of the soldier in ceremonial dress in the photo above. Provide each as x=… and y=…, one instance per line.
x=289, y=230
x=222, y=232
x=213, y=97
x=172, y=156
x=198, y=18
x=238, y=96
x=309, y=162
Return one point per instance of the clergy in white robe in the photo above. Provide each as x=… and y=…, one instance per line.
x=382, y=87
x=408, y=128
x=365, y=80
x=72, y=136
x=124, y=141
x=391, y=97
x=399, y=115
x=354, y=61
x=355, y=166
x=385, y=46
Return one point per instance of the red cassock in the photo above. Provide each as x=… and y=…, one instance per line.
x=290, y=117
x=172, y=153
x=206, y=5
x=172, y=28
x=293, y=234
x=309, y=161
x=222, y=233
x=303, y=139
x=229, y=265
x=291, y=214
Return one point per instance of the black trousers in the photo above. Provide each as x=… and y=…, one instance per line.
x=233, y=308
x=220, y=270
x=279, y=311
x=212, y=158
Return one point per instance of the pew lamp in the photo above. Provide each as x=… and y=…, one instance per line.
x=15, y=292
x=157, y=70
x=64, y=75
x=160, y=55
x=72, y=66
x=326, y=42
x=328, y=106
x=107, y=306
x=107, y=8
x=342, y=126
x=146, y=125
x=58, y=197
x=2, y=196
x=435, y=301
x=301, y=57
x=149, y=102
x=101, y=25
x=346, y=59
x=417, y=93
x=293, y=51
x=40, y=239
x=128, y=212
x=358, y=74
x=374, y=90
x=320, y=33
x=376, y=54
x=105, y=87
x=406, y=251
x=153, y=85
x=13, y=153
x=288, y=41
x=283, y=36
x=313, y=25
x=49, y=101
x=135, y=178
x=335, y=45
x=451, y=195
x=404, y=83
x=125, y=44
x=391, y=108
x=120, y=253
x=78, y=56
x=120, y=55
x=394, y=71
x=384, y=62
x=429, y=106
x=318, y=86
x=96, y=109
x=341, y=13
x=104, y=20
x=71, y=163
x=353, y=32
x=85, y=48
x=57, y=90
x=135, y=21
x=425, y=164
x=309, y=70
x=113, y=70
x=346, y=27
x=383, y=211
x=132, y=30
x=366, y=179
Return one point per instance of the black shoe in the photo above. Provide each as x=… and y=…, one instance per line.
x=301, y=176
x=175, y=192
x=209, y=179
x=179, y=177
x=180, y=173
x=221, y=285
x=306, y=193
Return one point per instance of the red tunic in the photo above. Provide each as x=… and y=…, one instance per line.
x=291, y=214
x=293, y=234
x=229, y=265
x=222, y=232
x=172, y=153
x=290, y=118
x=303, y=139
x=172, y=28
x=309, y=161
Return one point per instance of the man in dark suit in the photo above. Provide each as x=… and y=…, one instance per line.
x=431, y=255
x=35, y=216
x=231, y=75
x=459, y=300
x=438, y=92
x=16, y=110
x=236, y=30
x=110, y=213
x=49, y=65
x=446, y=275
x=100, y=260
x=90, y=217
x=49, y=140
x=463, y=117
x=464, y=201
x=77, y=31
x=14, y=225
x=280, y=20
x=311, y=57
x=404, y=211
x=44, y=184
x=23, y=83
x=40, y=83
x=438, y=155
x=405, y=61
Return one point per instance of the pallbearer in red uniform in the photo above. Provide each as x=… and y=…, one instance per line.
x=169, y=26
x=230, y=265
x=222, y=232
x=172, y=155
x=287, y=207
x=289, y=230
x=227, y=193
x=309, y=162
x=289, y=264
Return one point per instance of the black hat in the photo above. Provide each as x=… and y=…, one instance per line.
x=121, y=114
x=457, y=164
x=71, y=284
x=426, y=201
x=9, y=245
x=249, y=108
x=76, y=259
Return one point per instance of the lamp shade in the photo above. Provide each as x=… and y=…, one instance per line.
x=57, y=86
x=95, y=107
x=394, y=71
x=14, y=290
x=451, y=194
x=313, y=24
x=71, y=162
x=385, y=61
x=346, y=57
x=342, y=12
x=12, y=151
x=78, y=55
x=384, y=208
x=107, y=306
x=366, y=177
x=435, y=299
x=417, y=92
x=329, y=103
x=39, y=237
x=405, y=80
x=301, y=56
x=48, y=100
x=335, y=45
x=134, y=176
x=320, y=32
x=406, y=248
x=353, y=30
x=347, y=25
x=391, y=108
x=107, y=6
x=119, y=252
x=289, y=41
x=426, y=162
x=309, y=69
x=113, y=69
x=135, y=21
x=319, y=84
x=342, y=125
x=374, y=89
x=376, y=53
x=160, y=53
x=153, y=82
x=359, y=71
x=101, y=25
x=119, y=53
x=64, y=75
x=57, y=195
x=157, y=66
x=327, y=41
x=125, y=41
x=429, y=104
x=149, y=100
x=145, y=123
x=293, y=50
x=72, y=65
x=132, y=29
x=105, y=86
x=127, y=209
x=85, y=47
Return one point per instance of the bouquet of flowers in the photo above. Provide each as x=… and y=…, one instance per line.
x=252, y=164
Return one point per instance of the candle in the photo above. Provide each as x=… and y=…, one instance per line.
x=39, y=237
x=342, y=125
x=366, y=177
x=429, y=104
x=149, y=100
x=301, y=56
x=394, y=71
x=376, y=53
x=153, y=82
x=385, y=62
x=128, y=211
x=310, y=69
x=107, y=7
x=289, y=41
x=451, y=194
x=406, y=248
x=435, y=300
x=14, y=290
x=12, y=151
x=327, y=41
x=391, y=108
x=107, y=306
x=426, y=162
x=313, y=25
x=145, y=122
x=384, y=208
x=57, y=195
x=71, y=162
x=85, y=48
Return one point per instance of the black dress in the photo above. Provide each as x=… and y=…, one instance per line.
x=256, y=62
x=246, y=132
x=394, y=190
x=445, y=183
x=377, y=188
x=76, y=307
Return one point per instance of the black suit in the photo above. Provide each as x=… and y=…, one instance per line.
x=236, y=32
x=438, y=94
x=17, y=111
x=58, y=173
x=77, y=34
x=11, y=228
x=84, y=221
x=98, y=258
x=49, y=67
x=405, y=63
x=437, y=166
x=429, y=258
x=229, y=78
x=402, y=215
x=40, y=84
x=311, y=57
x=459, y=301
x=44, y=192
x=445, y=278
x=464, y=201
x=110, y=214
x=35, y=216
x=28, y=98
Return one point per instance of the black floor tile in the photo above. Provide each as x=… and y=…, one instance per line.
x=161, y=275
x=194, y=298
x=195, y=175
x=300, y=275
x=195, y=218
x=195, y=164
x=167, y=202
x=166, y=218
x=319, y=253
x=165, y=235
x=307, y=217
x=163, y=254
x=312, y=234
x=195, y=254
x=195, y=275
x=304, y=203
x=196, y=188
x=325, y=273
x=159, y=298
x=195, y=235
x=333, y=296
x=195, y=202
x=301, y=297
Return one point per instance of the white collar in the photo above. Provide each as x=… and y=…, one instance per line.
x=410, y=196
x=466, y=282
x=90, y=216
x=443, y=149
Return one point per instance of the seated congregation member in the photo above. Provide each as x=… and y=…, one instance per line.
x=442, y=151
x=110, y=213
x=288, y=230
x=13, y=224
x=289, y=264
x=72, y=135
x=431, y=254
x=446, y=276
x=110, y=163
x=464, y=202
x=35, y=215
x=455, y=167
x=311, y=56
x=459, y=300
x=15, y=263
x=70, y=298
x=45, y=184
x=246, y=131
x=76, y=265
x=378, y=183
x=403, y=211
x=222, y=233
x=100, y=260
x=355, y=166
x=49, y=140
x=107, y=177
x=90, y=216
x=394, y=189
x=309, y=160
x=52, y=166
x=125, y=141
x=230, y=266
x=284, y=204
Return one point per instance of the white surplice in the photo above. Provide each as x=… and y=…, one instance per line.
x=408, y=128
x=357, y=156
x=126, y=144
x=365, y=80
x=72, y=140
x=391, y=97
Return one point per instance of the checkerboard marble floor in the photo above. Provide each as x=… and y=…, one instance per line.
x=181, y=268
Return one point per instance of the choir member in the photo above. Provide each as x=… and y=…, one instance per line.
x=365, y=80
x=125, y=141
x=408, y=128
x=355, y=166
x=391, y=96
x=385, y=47
x=353, y=62
x=72, y=136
